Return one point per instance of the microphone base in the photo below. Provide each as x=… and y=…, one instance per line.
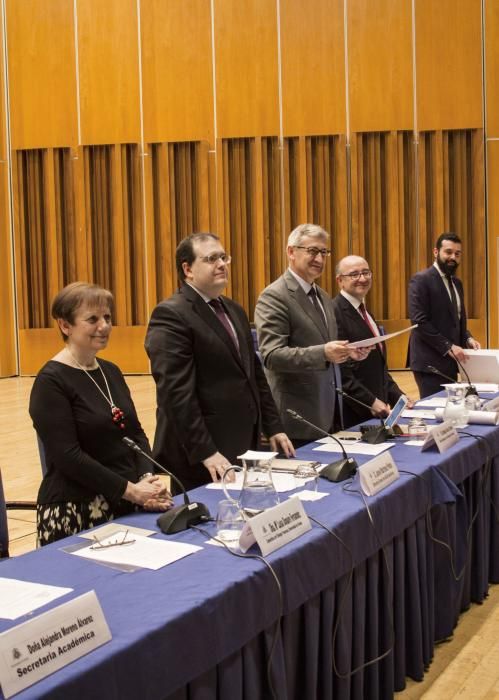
x=471, y=391
x=374, y=435
x=340, y=470
x=180, y=518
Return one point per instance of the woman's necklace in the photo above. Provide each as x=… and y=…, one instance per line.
x=117, y=413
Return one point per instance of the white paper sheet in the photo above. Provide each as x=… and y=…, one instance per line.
x=311, y=495
x=435, y=402
x=145, y=552
x=414, y=443
x=418, y=413
x=110, y=529
x=282, y=482
x=379, y=338
x=21, y=597
x=358, y=448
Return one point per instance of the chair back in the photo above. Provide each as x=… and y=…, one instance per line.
x=41, y=451
x=4, y=530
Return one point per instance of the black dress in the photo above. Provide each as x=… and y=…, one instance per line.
x=88, y=464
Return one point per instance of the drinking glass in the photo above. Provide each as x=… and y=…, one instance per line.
x=306, y=478
x=230, y=522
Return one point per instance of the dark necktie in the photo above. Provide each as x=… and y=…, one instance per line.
x=368, y=323
x=453, y=296
x=218, y=307
x=312, y=294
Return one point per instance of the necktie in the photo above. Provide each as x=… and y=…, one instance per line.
x=218, y=307
x=368, y=323
x=312, y=294
x=453, y=296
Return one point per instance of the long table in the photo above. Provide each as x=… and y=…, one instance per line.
x=362, y=610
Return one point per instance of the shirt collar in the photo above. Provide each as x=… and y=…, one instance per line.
x=203, y=296
x=306, y=286
x=353, y=300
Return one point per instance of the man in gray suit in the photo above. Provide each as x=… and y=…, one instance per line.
x=297, y=334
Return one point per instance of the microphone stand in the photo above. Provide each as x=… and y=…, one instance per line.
x=178, y=518
x=471, y=390
x=340, y=470
x=372, y=434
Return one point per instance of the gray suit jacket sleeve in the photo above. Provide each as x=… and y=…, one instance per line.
x=274, y=320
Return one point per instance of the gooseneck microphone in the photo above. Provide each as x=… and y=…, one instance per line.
x=340, y=470
x=471, y=390
x=178, y=518
x=373, y=435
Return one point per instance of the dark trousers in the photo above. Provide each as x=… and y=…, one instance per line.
x=429, y=383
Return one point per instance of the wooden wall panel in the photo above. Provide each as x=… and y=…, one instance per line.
x=250, y=213
x=452, y=198
x=313, y=67
x=380, y=65
x=126, y=349
x=108, y=58
x=247, y=92
x=493, y=241
x=42, y=73
x=315, y=190
x=449, y=64
x=178, y=203
x=8, y=364
x=384, y=215
x=492, y=66
x=177, y=70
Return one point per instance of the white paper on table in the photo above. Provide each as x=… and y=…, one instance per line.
x=358, y=448
x=414, y=443
x=416, y=413
x=486, y=387
x=282, y=482
x=378, y=338
x=311, y=495
x=110, y=529
x=21, y=597
x=145, y=552
x=475, y=417
x=435, y=402
x=255, y=454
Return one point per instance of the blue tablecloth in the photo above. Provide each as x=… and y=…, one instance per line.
x=202, y=627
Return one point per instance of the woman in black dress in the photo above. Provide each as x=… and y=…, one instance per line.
x=81, y=408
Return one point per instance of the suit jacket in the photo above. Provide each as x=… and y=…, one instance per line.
x=366, y=380
x=438, y=328
x=209, y=397
x=291, y=339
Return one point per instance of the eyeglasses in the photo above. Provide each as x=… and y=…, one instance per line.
x=366, y=274
x=111, y=543
x=314, y=252
x=215, y=257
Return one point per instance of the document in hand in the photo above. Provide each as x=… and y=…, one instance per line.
x=378, y=338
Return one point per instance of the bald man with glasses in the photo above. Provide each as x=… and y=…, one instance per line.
x=297, y=338
x=368, y=381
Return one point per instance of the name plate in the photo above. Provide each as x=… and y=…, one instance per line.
x=443, y=436
x=36, y=648
x=492, y=405
x=378, y=473
x=276, y=526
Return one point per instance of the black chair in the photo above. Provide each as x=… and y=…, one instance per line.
x=4, y=507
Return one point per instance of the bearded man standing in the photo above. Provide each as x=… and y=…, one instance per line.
x=436, y=304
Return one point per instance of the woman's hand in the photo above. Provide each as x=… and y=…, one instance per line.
x=149, y=488
x=161, y=503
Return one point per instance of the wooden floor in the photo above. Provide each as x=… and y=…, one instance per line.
x=465, y=668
